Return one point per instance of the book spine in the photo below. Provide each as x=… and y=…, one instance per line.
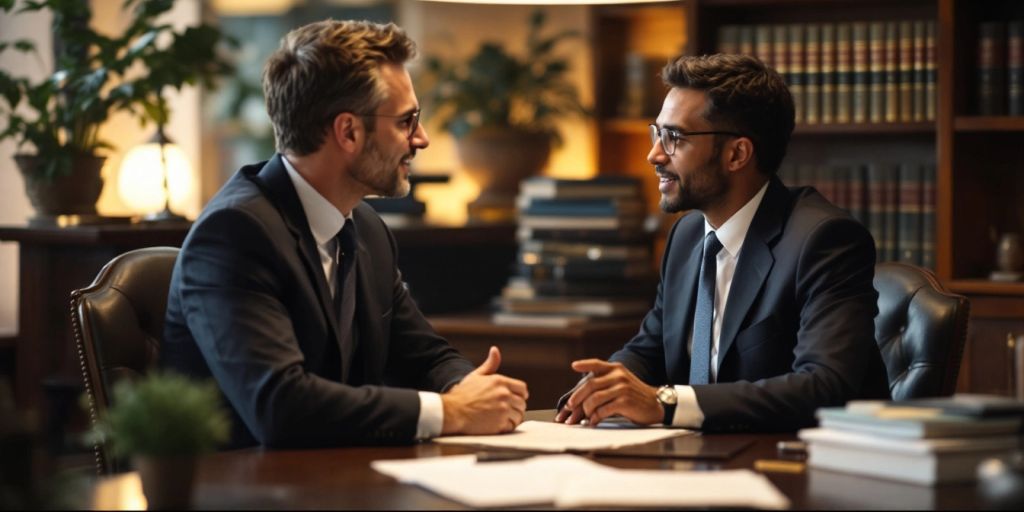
x=876, y=209
x=892, y=210
x=844, y=72
x=876, y=66
x=858, y=194
x=763, y=44
x=909, y=203
x=728, y=39
x=1015, y=68
x=746, y=45
x=992, y=37
x=860, y=73
x=780, y=51
x=828, y=73
x=892, y=87
x=928, y=217
x=931, y=72
x=796, y=69
x=920, y=71
x=906, y=71
x=812, y=73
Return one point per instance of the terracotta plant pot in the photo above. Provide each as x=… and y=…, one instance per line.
x=166, y=481
x=497, y=159
x=75, y=193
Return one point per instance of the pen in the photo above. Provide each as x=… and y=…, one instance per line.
x=565, y=398
x=487, y=456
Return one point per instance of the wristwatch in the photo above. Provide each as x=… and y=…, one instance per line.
x=668, y=399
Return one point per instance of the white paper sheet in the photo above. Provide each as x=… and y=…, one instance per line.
x=573, y=481
x=655, y=488
x=547, y=436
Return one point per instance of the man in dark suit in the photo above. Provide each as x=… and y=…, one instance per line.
x=286, y=290
x=765, y=307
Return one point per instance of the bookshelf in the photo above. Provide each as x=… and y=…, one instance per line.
x=977, y=159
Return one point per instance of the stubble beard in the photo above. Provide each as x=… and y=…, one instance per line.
x=706, y=186
x=382, y=177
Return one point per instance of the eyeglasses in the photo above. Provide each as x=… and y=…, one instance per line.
x=670, y=136
x=412, y=119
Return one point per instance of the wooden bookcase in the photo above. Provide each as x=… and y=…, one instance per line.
x=979, y=161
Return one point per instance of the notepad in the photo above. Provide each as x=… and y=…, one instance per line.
x=545, y=436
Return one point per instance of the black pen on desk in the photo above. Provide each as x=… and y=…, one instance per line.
x=565, y=398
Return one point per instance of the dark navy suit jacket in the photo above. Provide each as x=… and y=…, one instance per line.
x=798, y=330
x=249, y=305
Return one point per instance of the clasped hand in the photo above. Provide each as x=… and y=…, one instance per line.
x=485, y=402
x=612, y=390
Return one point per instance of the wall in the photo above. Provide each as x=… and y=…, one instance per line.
x=122, y=131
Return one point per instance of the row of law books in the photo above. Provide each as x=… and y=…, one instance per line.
x=895, y=201
x=584, y=253
x=1000, y=77
x=923, y=441
x=856, y=72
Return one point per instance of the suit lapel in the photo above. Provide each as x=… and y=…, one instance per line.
x=274, y=179
x=365, y=323
x=677, y=357
x=755, y=263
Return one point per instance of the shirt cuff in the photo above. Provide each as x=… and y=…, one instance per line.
x=431, y=419
x=688, y=413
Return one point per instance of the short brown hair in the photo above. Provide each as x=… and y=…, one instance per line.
x=326, y=68
x=744, y=96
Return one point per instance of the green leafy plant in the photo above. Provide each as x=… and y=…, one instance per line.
x=96, y=75
x=496, y=89
x=163, y=415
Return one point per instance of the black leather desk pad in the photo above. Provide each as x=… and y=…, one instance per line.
x=719, y=447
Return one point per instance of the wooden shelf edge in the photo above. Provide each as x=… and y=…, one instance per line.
x=985, y=287
x=638, y=126
x=988, y=123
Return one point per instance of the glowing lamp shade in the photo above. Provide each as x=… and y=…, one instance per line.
x=141, y=182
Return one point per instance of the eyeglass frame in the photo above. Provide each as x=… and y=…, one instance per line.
x=414, y=117
x=657, y=135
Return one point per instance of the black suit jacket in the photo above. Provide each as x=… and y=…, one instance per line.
x=250, y=306
x=798, y=330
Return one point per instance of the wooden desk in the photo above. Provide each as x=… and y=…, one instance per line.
x=538, y=355
x=342, y=479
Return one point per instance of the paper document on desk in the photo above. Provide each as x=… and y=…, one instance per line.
x=573, y=481
x=545, y=436
x=532, y=481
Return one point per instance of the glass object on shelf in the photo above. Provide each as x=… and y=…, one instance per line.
x=1009, y=259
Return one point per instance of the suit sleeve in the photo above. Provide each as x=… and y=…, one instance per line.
x=233, y=281
x=837, y=304
x=418, y=356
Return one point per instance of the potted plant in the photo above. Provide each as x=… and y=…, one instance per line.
x=163, y=422
x=502, y=111
x=59, y=116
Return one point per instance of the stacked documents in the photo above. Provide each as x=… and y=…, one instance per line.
x=923, y=443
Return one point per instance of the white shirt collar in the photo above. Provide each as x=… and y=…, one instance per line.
x=325, y=221
x=732, y=233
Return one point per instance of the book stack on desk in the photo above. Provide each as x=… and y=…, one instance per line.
x=929, y=442
x=584, y=253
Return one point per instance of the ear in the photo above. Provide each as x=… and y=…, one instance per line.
x=738, y=153
x=348, y=132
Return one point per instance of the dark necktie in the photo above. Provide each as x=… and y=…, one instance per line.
x=703, y=319
x=346, y=257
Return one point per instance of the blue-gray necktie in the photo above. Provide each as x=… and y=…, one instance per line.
x=703, y=319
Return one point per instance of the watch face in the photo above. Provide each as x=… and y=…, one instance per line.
x=667, y=395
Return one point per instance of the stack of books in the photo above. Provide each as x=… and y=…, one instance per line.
x=928, y=442
x=584, y=253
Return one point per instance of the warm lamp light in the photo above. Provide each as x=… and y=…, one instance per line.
x=551, y=2
x=154, y=181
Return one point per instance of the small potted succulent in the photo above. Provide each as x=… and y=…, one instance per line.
x=164, y=422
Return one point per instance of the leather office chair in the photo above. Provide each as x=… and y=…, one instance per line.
x=921, y=330
x=118, y=322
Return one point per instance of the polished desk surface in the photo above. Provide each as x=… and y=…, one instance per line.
x=341, y=478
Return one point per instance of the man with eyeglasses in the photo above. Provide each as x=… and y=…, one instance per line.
x=286, y=290
x=765, y=308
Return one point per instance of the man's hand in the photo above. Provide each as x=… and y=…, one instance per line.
x=485, y=402
x=612, y=390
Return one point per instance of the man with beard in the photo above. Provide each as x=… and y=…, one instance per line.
x=765, y=307
x=286, y=290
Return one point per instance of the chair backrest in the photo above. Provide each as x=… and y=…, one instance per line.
x=921, y=330
x=118, y=322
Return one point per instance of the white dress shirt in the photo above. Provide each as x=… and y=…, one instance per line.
x=325, y=221
x=731, y=234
